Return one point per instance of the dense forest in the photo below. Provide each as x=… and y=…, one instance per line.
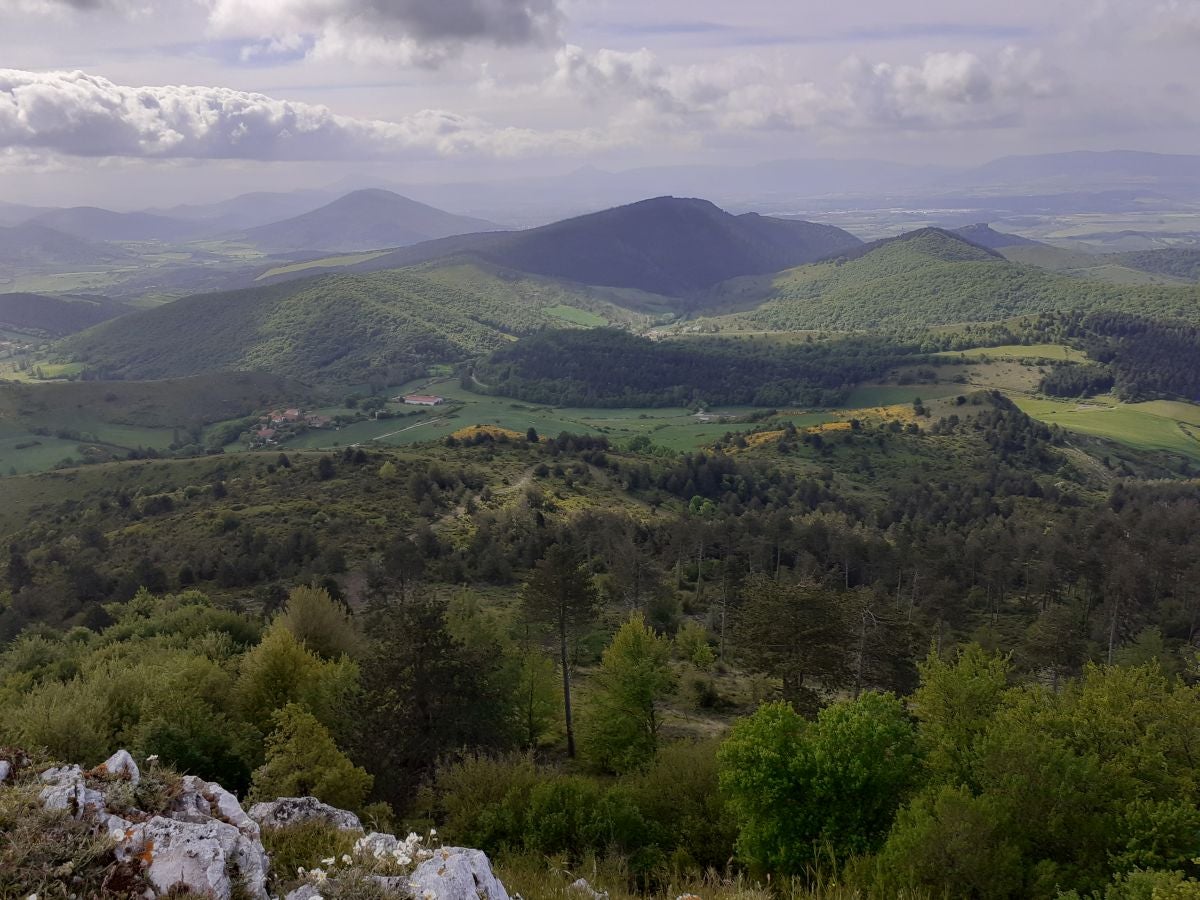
x=606, y=367
x=902, y=655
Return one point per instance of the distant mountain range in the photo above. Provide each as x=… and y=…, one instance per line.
x=91, y=223
x=665, y=245
x=363, y=220
x=35, y=247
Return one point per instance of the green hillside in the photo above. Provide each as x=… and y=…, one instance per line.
x=201, y=399
x=1182, y=263
x=345, y=328
x=55, y=316
x=928, y=277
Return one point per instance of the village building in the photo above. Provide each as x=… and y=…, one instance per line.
x=422, y=400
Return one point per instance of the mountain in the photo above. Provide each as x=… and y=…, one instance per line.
x=16, y=213
x=55, y=316
x=344, y=328
x=984, y=235
x=363, y=220
x=247, y=210
x=923, y=278
x=666, y=245
x=31, y=246
x=91, y=223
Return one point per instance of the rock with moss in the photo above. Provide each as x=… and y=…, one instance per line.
x=457, y=873
x=207, y=858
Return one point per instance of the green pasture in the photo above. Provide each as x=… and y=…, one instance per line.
x=1158, y=425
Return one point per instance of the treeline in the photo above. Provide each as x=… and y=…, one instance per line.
x=611, y=368
x=1140, y=358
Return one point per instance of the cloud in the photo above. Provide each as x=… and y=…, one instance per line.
x=76, y=114
x=950, y=90
x=421, y=32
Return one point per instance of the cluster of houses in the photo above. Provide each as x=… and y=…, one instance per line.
x=282, y=422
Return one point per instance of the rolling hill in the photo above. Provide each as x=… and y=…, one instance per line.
x=342, y=328
x=928, y=277
x=91, y=223
x=30, y=246
x=665, y=245
x=55, y=316
x=363, y=220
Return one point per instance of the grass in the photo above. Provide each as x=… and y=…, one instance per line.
x=1159, y=425
x=576, y=316
x=328, y=262
x=1056, y=352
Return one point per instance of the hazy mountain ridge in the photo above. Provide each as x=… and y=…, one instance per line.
x=363, y=220
x=665, y=245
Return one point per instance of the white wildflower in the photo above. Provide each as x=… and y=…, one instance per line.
x=346, y=859
x=433, y=832
x=117, y=834
x=318, y=876
x=152, y=758
x=328, y=862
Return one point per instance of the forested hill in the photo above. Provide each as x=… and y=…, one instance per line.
x=339, y=328
x=931, y=277
x=55, y=316
x=666, y=245
x=1180, y=262
x=605, y=367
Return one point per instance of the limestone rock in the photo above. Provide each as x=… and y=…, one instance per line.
x=5, y=770
x=66, y=789
x=199, y=800
x=294, y=810
x=202, y=857
x=456, y=873
x=122, y=765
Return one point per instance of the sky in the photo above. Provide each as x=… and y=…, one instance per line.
x=133, y=103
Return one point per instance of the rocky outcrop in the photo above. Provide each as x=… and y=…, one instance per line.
x=456, y=872
x=194, y=837
x=204, y=843
x=203, y=857
x=294, y=810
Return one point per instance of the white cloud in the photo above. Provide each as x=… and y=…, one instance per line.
x=77, y=114
x=951, y=90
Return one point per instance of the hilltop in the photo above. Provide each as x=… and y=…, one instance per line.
x=665, y=245
x=1181, y=262
x=928, y=277
x=363, y=220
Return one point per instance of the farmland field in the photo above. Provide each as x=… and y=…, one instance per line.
x=1158, y=425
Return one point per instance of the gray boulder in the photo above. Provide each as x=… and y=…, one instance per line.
x=205, y=858
x=201, y=800
x=66, y=789
x=456, y=873
x=294, y=810
x=5, y=770
x=121, y=764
